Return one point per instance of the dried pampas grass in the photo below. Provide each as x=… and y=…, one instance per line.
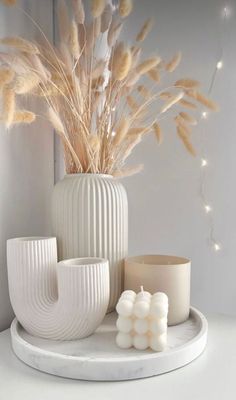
x=188, y=118
x=121, y=131
x=128, y=171
x=106, y=18
x=201, y=98
x=154, y=74
x=78, y=9
x=23, y=117
x=187, y=83
x=158, y=132
x=97, y=8
x=125, y=8
x=101, y=104
x=148, y=65
x=122, y=65
x=185, y=139
x=25, y=83
x=113, y=32
x=174, y=62
x=20, y=44
x=8, y=107
x=172, y=101
x=145, y=93
x=74, y=40
x=187, y=104
x=146, y=28
x=6, y=76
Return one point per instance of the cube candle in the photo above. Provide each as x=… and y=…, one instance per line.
x=142, y=320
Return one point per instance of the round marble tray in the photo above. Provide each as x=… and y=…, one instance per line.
x=97, y=358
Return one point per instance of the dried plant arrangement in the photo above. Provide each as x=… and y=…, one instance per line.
x=100, y=95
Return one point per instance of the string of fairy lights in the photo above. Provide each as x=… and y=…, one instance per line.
x=204, y=161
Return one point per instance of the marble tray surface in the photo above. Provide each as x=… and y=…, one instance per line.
x=98, y=358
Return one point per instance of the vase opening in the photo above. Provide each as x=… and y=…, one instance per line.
x=32, y=239
x=88, y=175
x=76, y=262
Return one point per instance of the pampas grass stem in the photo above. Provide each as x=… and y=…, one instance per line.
x=172, y=101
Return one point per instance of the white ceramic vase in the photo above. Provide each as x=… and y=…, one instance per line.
x=90, y=219
x=158, y=273
x=61, y=301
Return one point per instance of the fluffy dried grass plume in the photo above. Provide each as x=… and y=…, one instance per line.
x=122, y=65
x=146, y=28
x=188, y=118
x=97, y=7
x=25, y=83
x=23, y=117
x=187, y=83
x=158, y=132
x=74, y=40
x=121, y=131
x=106, y=18
x=174, y=62
x=148, y=65
x=6, y=76
x=101, y=95
x=20, y=44
x=8, y=107
x=125, y=7
x=78, y=9
x=154, y=74
x=201, y=98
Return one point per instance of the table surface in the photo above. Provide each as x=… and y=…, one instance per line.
x=212, y=375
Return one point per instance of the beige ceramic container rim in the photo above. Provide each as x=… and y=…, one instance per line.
x=158, y=260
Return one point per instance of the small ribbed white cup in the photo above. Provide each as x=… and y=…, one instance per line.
x=61, y=301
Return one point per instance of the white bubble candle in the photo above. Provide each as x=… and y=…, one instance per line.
x=142, y=320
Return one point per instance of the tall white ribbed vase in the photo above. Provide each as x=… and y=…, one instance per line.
x=90, y=219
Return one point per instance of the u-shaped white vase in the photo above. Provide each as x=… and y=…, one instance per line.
x=61, y=301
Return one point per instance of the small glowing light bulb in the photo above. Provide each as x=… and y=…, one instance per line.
x=219, y=65
x=204, y=163
x=216, y=247
x=204, y=115
x=207, y=208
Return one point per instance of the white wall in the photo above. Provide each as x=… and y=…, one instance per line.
x=26, y=159
x=166, y=214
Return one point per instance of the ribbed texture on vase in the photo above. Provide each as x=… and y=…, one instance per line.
x=55, y=301
x=90, y=218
